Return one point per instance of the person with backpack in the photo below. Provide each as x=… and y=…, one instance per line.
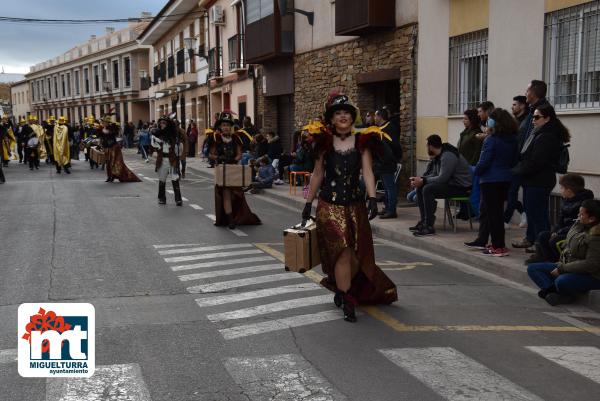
x=537, y=169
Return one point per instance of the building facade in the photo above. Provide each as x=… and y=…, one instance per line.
x=475, y=50
x=21, y=102
x=365, y=49
x=104, y=74
x=179, y=72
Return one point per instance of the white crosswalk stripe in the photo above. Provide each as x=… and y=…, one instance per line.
x=281, y=377
x=212, y=217
x=239, y=232
x=226, y=262
x=249, y=295
x=204, y=249
x=8, y=355
x=582, y=360
x=166, y=246
x=170, y=191
x=230, y=272
x=227, y=285
x=270, y=308
x=197, y=207
x=109, y=382
x=183, y=198
x=455, y=376
x=214, y=255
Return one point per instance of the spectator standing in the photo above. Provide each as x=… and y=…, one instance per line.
x=274, y=148
x=498, y=156
x=579, y=268
x=447, y=175
x=537, y=169
x=192, y=135
x=572, y=189
x=385, y=164
x=519, y=108
x=469, y=145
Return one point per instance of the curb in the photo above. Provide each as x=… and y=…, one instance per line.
x=489, y=264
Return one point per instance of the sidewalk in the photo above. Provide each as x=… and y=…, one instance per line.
x=445, y=242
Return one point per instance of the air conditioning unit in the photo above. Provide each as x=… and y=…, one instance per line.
x=217, y=15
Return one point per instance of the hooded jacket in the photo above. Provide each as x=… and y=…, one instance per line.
x=570, y=210
x=581, y=254
x=449, y=167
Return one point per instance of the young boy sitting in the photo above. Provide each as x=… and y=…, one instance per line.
x=572, y=189
x=264, y=177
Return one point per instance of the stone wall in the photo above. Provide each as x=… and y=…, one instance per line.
x=316, y=73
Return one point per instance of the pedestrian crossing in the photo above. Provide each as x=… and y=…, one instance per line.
x=228, y=274
x=448, y=373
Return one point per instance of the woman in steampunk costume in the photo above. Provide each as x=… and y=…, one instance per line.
x=115, y=165
x=343, y=229
x=231, y=208
x=167, y=141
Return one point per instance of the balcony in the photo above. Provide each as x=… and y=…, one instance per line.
x=235, y=45
x=181, y=61
x=269, y=38
x=215, y=63
x=361, y=17
x=170, y=67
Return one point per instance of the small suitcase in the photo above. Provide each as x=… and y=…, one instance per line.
x=301, y=248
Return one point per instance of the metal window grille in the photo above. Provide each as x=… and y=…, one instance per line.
x=468, y=71
x=572, y=56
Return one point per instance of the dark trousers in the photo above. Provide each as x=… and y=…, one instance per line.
x=192, y=149
x=537, y=207
x=31, y=155
x=391, y=192
x=491, y=213
x=546, y=246
x=20, y=151
x=427, y=194
x=2, y=179
x=566, y=283
x=513, y=203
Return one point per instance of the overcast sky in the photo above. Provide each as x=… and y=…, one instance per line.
x=23, y=45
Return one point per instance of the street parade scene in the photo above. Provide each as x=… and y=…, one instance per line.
x=293, y=200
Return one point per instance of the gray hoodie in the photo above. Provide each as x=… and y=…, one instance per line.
x=450, y=168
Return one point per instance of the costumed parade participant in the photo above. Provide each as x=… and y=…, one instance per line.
x=167, y=142
x=231, y=208
x=183, y=139
x=61, y=149
x=23, y=132
x=342, y=219
x=7, y=141
x=115, y=165
x=48, y=139
x=30, y=144
x=40, y=134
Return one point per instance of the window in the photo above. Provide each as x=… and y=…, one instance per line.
x=39, y=93
x=96, y=79
x=572, y=56
x=467, y=71
x=49, y=93
x=77, y=82
x=258, y=9
x=62, y=85
x=68, y=84
x=115, y=68
x=104, y=68
x=127, y=68
x=86, y=80
x=55, y=87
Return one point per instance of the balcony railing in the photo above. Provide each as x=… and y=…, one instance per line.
x=163, y=71
x=215, y=62
x=236, y=52
x=170, y=67
x=181, y=61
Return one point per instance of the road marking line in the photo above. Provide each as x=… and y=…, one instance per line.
x=212, y=217
x=248, y=295
x=205, y=249
x=270, y=308
x=279, y=324
x=395, y=324
x=170, y=191
x=173, y=246
x=239, y=232
x=8, y=355
x=140, y=174
x=582, y=360
x=219, y=263
x=230, y=272
x=455, y=376
x=123, y=382
x=226, y=285
x=212, y=255
x=197, y=207
x=183, y=198
x=281, y=377
x=150, y=179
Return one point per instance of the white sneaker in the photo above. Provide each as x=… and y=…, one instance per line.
x=523, y=222
x=278, y=181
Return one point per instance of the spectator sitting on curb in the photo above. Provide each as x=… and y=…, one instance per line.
x=579, y=268
x=264, y=177
x=447, y=174
x=572, y=189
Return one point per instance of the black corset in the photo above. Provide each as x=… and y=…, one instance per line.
x=227, y=151
x=341, y=183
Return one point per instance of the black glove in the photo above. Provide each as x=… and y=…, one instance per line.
x=372, y=208
x=306, y=212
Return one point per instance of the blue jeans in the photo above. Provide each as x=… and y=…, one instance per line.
x=391, y=192
x=537, y=207
x=475, y=197
x=566, y=283
x=246, y=159
x=412, y=196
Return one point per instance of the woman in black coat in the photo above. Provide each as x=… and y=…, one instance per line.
x=537, y=169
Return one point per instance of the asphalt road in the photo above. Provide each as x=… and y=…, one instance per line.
x=189, y=311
